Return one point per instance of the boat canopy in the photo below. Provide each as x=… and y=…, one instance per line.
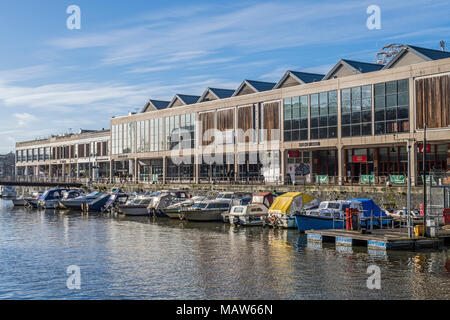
x=369, y=206
x=290, y=201
x=265, y=198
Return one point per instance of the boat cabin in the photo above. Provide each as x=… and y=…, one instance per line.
x=265, y=198
x=54, y=194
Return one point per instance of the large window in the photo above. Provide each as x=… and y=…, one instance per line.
x=142, y=136
x=296, y=118
x=187, y=124
x=323, y=115
x=156, y=135
x=41, y=154
x=172, y=125
x=392, y=107
x=356, y=111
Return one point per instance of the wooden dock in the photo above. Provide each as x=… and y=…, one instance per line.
x=380, y=239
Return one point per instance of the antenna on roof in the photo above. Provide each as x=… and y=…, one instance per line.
x=442, y=43
x=388, y=52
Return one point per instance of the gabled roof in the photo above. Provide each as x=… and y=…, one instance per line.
x=217, y=93
x=423, y=53
x=300, y=77
x=355, y=66
x=153, y=105
x=184, y=99
x=255, y=86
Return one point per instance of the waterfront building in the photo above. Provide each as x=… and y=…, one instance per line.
x=7, y=164
x=353, y=125
x=80, y=155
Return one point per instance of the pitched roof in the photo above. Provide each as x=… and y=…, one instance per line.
x=424, y=53
x=256, y=86
x=216, y=92
x=357, y=66
x=185, y=99
x=364, y=67
x=261, y=86
x=152, y=105
x=160, y=104
x=222, y=93
x=433, y=54
x=301, y=77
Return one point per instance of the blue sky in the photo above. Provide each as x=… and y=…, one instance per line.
x=53, y=80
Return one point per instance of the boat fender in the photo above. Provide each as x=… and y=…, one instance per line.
x=273, y=219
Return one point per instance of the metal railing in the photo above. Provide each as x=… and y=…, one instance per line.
x=48, y=179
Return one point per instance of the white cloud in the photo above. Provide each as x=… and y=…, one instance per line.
x=151, y=69
x=24, y=118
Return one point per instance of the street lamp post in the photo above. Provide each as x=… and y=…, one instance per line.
x=408, y=205
x=424, y=151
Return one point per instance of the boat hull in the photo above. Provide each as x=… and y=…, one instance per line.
x=305, y=223
x=203, y=216
x=286, y=221
x=32, y=203
x=71, y=205
x=172, y=213
x=48, y=204
x=19, y=202
x=247, y=220
x=134, y=210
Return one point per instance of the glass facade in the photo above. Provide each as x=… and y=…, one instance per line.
x=142, y=136
x=149, y=135
x=296, y=118
x=172, y=132
x=356, y=118
x=324, y=110
x=392, y=107
x=187, y=126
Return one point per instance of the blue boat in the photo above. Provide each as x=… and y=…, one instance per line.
x=306, y=222
x=98, y=204
x=331, y=215
x=371, y=209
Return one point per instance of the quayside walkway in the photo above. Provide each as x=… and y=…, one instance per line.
x=31, y=181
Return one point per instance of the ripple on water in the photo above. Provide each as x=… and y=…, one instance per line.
x=142, y=258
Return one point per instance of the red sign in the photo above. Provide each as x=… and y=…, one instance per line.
x=294, y=154
x=359, y=158
x=427, y=149
x=421, y=211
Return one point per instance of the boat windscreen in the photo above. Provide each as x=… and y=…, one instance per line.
x=93, y=194
x=200, y=205
x=333, y=205
x=238, y=209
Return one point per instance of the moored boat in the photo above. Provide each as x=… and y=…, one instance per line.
x=50, y=199
x=329, y=215
x=77, y=202
x=206, y=210
x=22, y=200
x=253, y=214
x=135, y=207
x=98, y=204
x=8, y=192
x=173, y=211
x=163, y=199
x=282, y=211
x=332, y=215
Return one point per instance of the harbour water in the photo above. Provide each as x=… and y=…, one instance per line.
x=151, y=258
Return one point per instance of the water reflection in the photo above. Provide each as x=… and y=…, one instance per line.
x=151, y=258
